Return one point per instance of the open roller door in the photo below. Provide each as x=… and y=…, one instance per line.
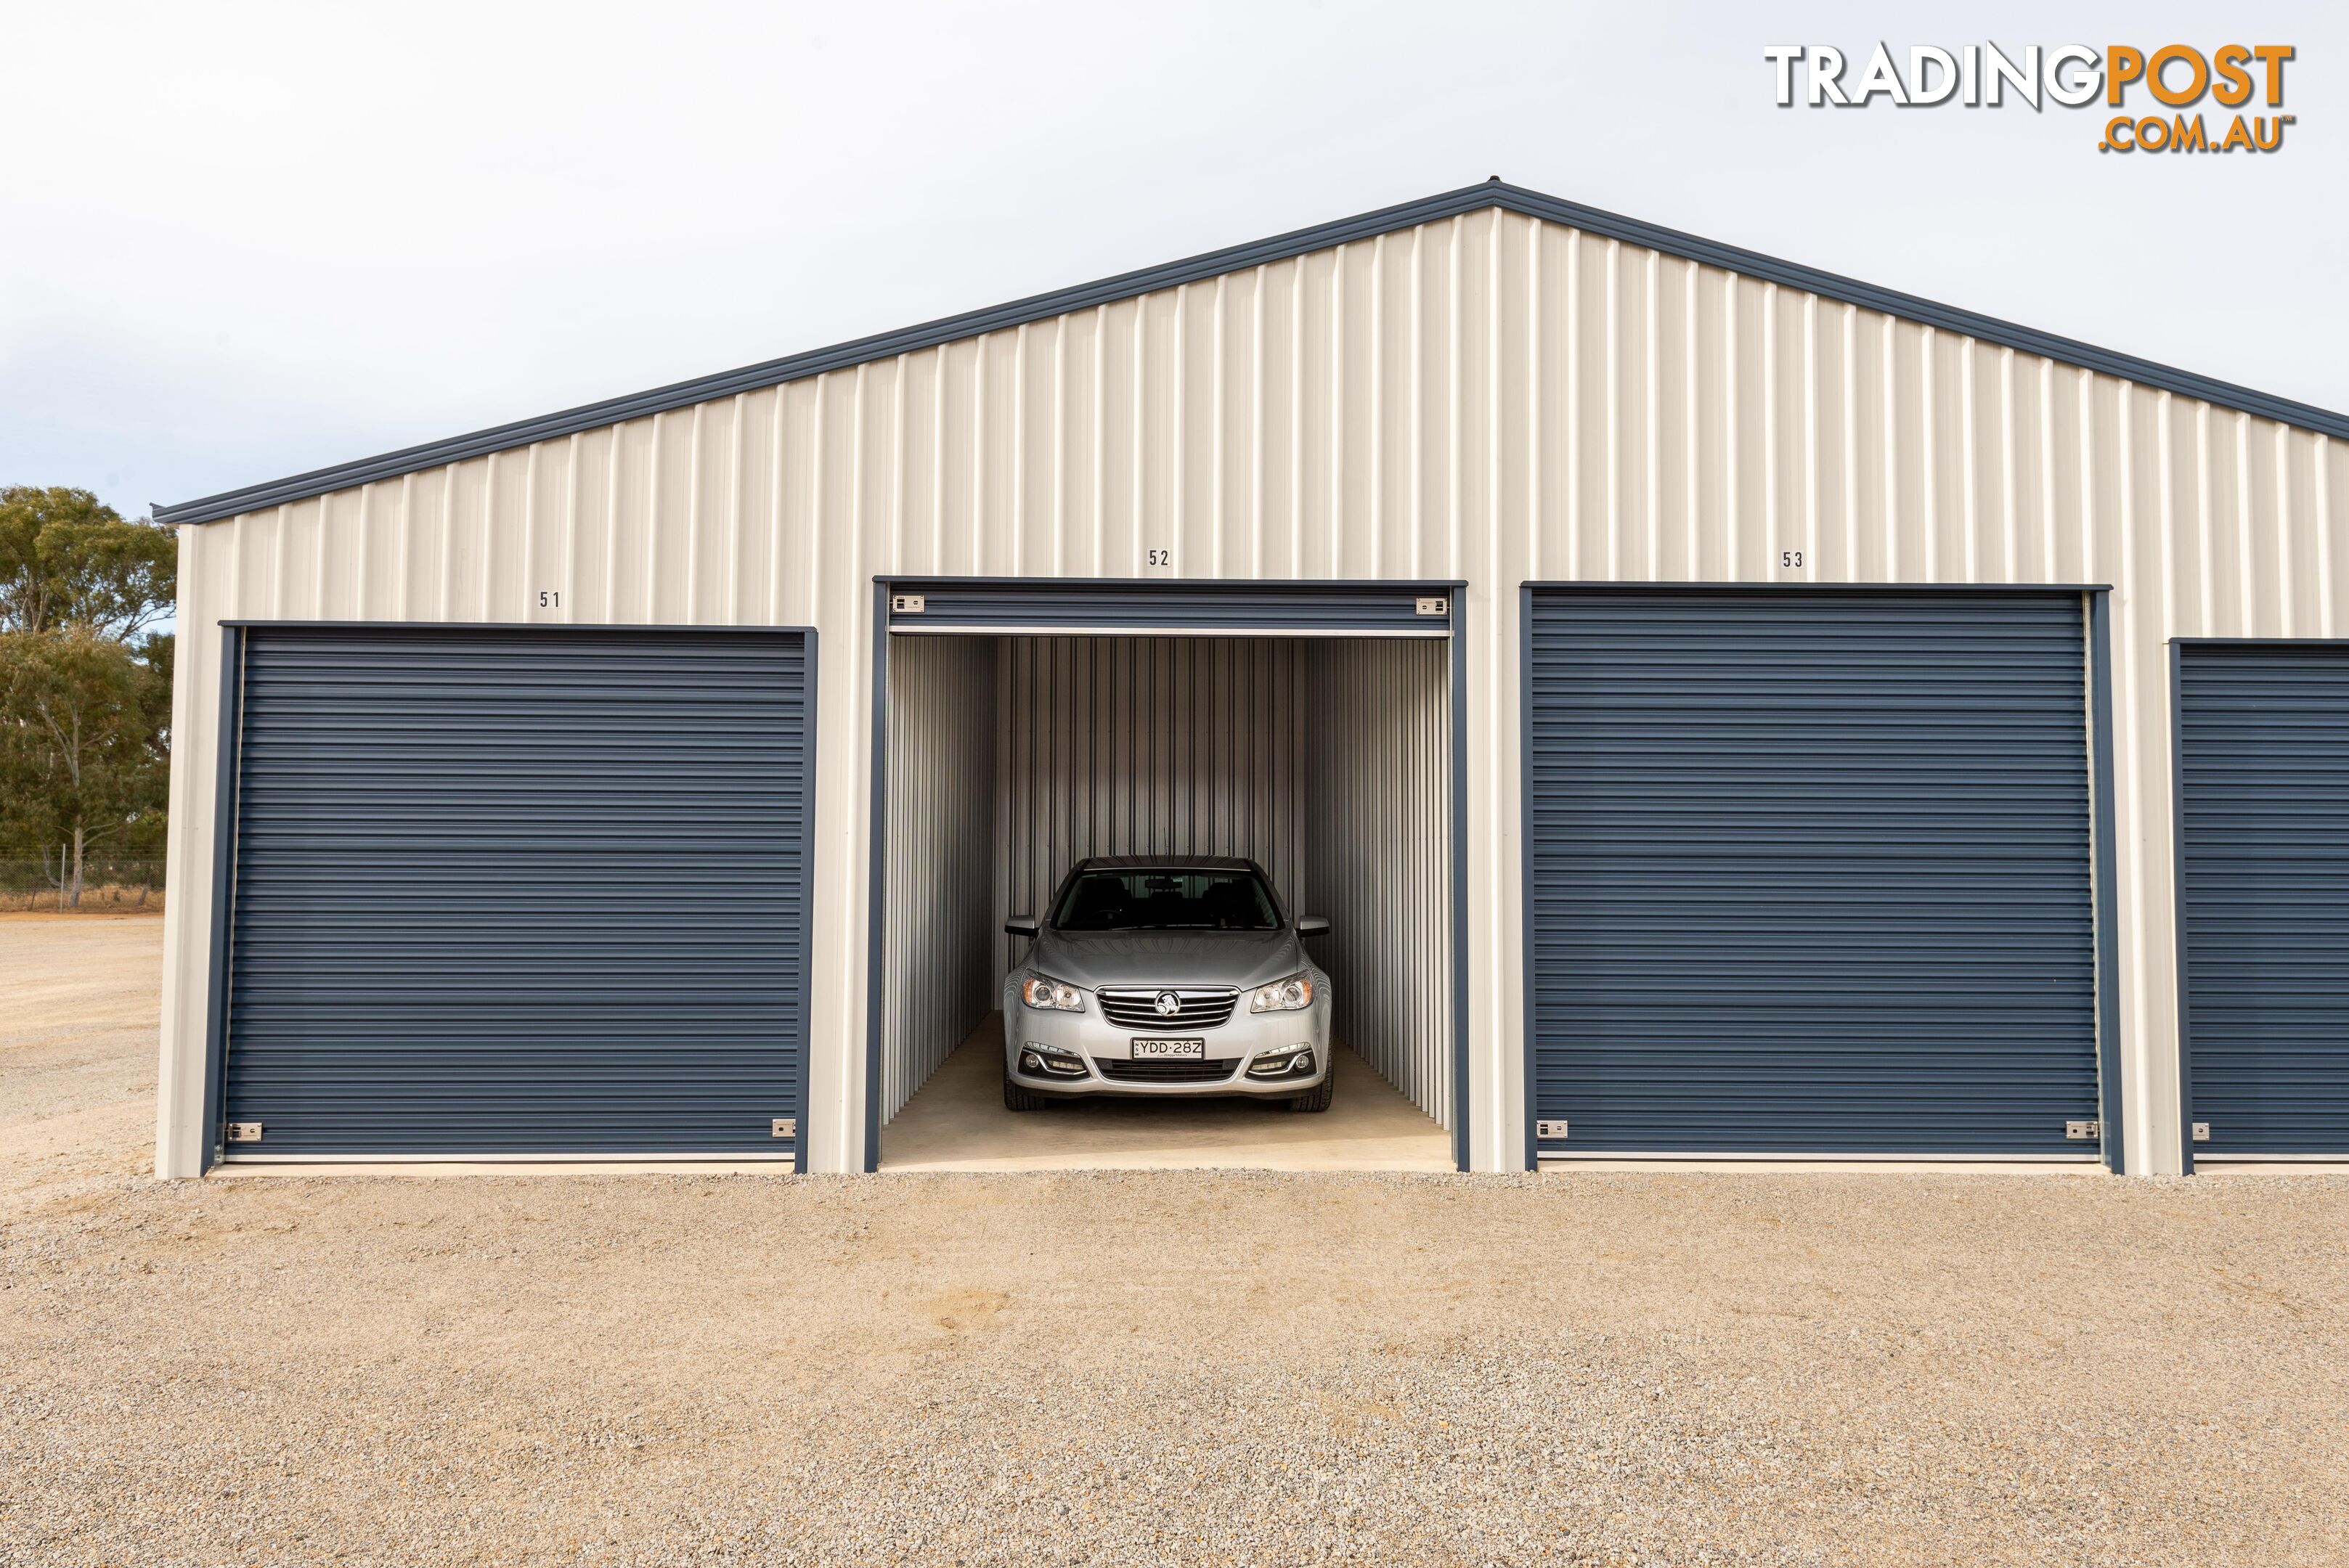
x=1307, y=727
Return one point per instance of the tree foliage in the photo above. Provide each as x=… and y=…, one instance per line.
x=85, y=684
x=88, y=718
x=68, y=559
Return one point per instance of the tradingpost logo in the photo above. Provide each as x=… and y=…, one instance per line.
x=2165, y=86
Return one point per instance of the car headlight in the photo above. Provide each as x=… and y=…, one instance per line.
x=1047, y=995
x=1283, y=995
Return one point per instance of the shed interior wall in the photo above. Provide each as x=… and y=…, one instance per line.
x=1137, y=746
x=941, y=873
x=1379, y=860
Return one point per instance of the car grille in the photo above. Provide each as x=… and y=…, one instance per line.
x=1168, y=1072
x=1136, y=1007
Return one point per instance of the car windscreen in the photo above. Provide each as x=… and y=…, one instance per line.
x=1173, y=898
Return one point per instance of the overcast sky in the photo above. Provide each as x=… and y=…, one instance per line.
x=243, y=240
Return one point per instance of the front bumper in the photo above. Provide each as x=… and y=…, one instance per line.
x=1242, y=1040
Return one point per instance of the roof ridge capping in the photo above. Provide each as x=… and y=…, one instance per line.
x=1493, y=192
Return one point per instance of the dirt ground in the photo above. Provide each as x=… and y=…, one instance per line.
x=1131, y=1366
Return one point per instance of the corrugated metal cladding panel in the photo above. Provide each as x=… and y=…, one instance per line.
x=1299, y=609
x=1810, y=873
x=1379, y=864
x=2263, y=747
x=1129, y=746
x=502, y=892
x=940, y=975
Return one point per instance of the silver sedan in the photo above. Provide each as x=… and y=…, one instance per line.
x=1166, y=976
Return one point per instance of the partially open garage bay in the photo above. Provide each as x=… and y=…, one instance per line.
x=1131, y=1365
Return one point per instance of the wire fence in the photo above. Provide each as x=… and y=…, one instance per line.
x=32, y=878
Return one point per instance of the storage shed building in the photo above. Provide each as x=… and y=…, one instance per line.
x=1728, y=711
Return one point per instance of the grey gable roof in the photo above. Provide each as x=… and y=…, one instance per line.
x=1125, y=286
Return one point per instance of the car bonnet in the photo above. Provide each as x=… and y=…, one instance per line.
x=1240, y=958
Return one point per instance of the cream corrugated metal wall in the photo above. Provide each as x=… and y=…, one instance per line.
x=1380, y=860
x=940, y=975
x=1137, y=746
x=1488, y=397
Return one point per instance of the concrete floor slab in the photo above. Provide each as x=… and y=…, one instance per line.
x=956, y=1122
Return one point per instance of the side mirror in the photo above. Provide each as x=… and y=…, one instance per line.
x=1025, y=925
x=1312, y=925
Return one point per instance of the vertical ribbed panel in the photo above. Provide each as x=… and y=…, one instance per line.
x=2263, y=745
x=1135, y=746
x=1810, y=873
x=940, y=975
x=1488, y=397
x=511, y=892
x=1380, y=866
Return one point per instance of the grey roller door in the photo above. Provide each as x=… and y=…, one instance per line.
x=1809, y=872
x=1035, y=606
x=2263, y=895
x=519, y=891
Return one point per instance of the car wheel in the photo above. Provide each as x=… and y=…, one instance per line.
x=1318, y=1098
x=1020, y=1097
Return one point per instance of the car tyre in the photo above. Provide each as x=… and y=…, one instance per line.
x=1020, y=1097
x=1318, y=1098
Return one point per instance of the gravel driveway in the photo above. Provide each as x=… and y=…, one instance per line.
x=1135, y=1367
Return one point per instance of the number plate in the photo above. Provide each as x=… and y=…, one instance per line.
x=1170, y=1050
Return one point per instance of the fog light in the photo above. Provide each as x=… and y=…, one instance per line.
x=1051, y=1063
x=1288, y=1064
